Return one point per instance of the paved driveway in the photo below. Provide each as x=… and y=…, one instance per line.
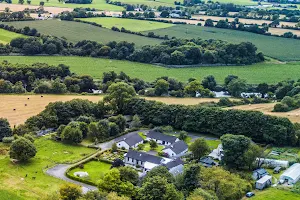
x=59, y=171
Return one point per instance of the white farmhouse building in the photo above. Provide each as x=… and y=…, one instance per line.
x=131, y=141
x=178, y=148
x=291, y=175
x=161, y=138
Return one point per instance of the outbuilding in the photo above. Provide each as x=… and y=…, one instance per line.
x=291, y=175
x=264, y=182
x=259, y=173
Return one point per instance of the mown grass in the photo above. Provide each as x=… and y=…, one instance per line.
x=76, y=31
x=7, y=195
x=129, y=24
x=276, y=47
x=98, y=4
x=7, y=36
x=275, y=194
x=95, y=169
x=239, y=2
x=258, y=73
x=18, y=178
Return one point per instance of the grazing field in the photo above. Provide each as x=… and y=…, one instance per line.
x=98, y=4
x=152, y=3
x=129, y=24
x=284, y=49
x=7, y=36
x=267, y=108
x=95, y=169
x=239, y=2
x=76, y=31
x=35, y=105
x=268, y=72
x=184, y=101
x=13, y=176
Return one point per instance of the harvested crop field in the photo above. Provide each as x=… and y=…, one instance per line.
x=19, y=7
x=35, y=104
x=267, y=108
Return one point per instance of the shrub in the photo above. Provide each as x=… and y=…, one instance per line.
x=8, y=139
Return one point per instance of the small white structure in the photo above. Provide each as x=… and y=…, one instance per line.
x=217, y=153
x=179, y=148
x=221, y=94
x=161, y=138
x=81, y=174
x=250, y=94
x=272, y=163
x=263, y=182
x=130, y=142
x=97, y=91
x=291, y=175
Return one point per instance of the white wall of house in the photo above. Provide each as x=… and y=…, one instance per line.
x=122, y=144
x=137, y=144
x=134, y=162
x=161, y=142
x=169, y=152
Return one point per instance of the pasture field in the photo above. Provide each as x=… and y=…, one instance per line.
x=239, y=2
x=13, y=176
x=97, y=4
x=35, y=105
x=76, y=31
x=7, y=36
x=268, y=72
x=284, y=49
x=129, y=24
x=95, y=169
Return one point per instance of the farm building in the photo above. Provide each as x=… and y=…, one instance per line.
x=272, y=163
x=130, y=142
x=161, y=138
x=179, y=148
x=259, y=173
x=291, y=175
x=263, y=182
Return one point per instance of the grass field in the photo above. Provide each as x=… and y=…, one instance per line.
x=76, y=31
x=7, y=195
x=274, y=194
x=13, y=176
x=95, y=169
x=129, y=24
x=98, y=4
x=269, y=72
x=280, y=48
x=239, y=2
x=7, y=36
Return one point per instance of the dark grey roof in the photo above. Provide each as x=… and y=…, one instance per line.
x=141, y=156
x=261, y=171
x=178, y=147
x=174, y=163
x=132, y=139
x=207, y=162
x=160, y=136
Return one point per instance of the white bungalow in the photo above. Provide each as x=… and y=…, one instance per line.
x=131, y=141
x=161, y=138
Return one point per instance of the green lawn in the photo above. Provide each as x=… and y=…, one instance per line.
x=7, y=195
x=148, y=148
x=276, y=47
x=7, y=36
x=76, y=31
x=152, y=3
x=213, y=144
x=95, y=169
x=98, y=4
x=258, y=73
x=13, y=176
x=275, y=194
x=129, y=24
x=240, y=2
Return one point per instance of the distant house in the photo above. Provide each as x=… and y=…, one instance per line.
x=217, y=153
x=178, y=148
x=291, y=175
x=259, y=173
x=130, y=142
x=207, y=162
x=175, y=167
x=263, y=182
x=161, y=138
x=44, y=132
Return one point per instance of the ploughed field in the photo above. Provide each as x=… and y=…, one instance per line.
x=269, y=72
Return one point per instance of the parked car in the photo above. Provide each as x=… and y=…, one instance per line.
x=250, y=194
